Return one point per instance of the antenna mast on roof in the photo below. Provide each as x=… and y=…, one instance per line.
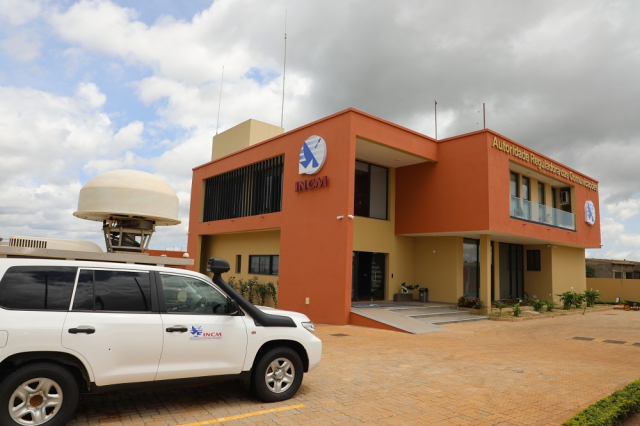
x=220, y=99
x=284, y=72
x=436, y=110
x=484, y=115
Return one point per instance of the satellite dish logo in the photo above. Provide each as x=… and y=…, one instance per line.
x=312, y=155
x=589, y=212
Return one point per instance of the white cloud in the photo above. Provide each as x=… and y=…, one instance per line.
x=18, y=12
x=624, y=209
x=24, y=46
x=129, y=136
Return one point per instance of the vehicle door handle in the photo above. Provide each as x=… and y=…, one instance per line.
x=88, y=330
x=178, y=329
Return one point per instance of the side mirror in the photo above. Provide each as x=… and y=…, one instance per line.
x=217, y=265
x=233, y=307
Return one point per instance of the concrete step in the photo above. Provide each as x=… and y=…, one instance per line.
x=424, y=308
x=454, y=319
x=440, y=314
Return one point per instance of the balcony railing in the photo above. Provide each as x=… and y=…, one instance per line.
x=539, y=213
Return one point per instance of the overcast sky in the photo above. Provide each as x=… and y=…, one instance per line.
x=91, y=86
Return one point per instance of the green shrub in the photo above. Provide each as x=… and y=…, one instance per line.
x=550, y=304
x=262, y=292
x=537, y=305
x=516, y=310
x=578, y=300
x=590, y=296
x=273, y=292
x=567, y=298
x=611, y=410
x=500, y=305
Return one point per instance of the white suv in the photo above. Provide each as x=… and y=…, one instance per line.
x=75, y=326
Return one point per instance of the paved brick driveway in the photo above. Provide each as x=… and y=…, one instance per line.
x=481, y=373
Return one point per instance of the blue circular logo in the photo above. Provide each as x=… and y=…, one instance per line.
x=312, y=155
x=589, y=212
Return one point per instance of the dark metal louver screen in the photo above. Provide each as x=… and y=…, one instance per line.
x=247, y=191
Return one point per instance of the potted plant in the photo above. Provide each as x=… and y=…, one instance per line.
x=405, y=288
x=404, y=295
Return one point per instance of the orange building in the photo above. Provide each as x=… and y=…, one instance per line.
x=350, y=206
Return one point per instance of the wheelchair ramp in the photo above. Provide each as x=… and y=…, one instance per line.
x=410, y=317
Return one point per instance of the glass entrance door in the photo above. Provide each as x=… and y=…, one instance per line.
x=368, y=276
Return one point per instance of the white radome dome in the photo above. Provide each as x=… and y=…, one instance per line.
x=129, y=193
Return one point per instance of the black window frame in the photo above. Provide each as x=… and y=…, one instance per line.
x=533, y=261
x=367, y=199
x=516, y=182
x=238, y=263
x=269, y=259
x=247, y=191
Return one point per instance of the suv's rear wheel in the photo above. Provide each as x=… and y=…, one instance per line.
x=278, y=375
x=38, y=394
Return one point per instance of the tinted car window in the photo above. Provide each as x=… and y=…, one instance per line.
x=37, y=287
x=121, y=291
x=189, y=295
x=83, y=299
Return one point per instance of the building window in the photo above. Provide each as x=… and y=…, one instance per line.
x=515, y=192
x=541, y=194
x=629, y=275
x=264, y=264
x=617, y=274
x=238, y=263
x=370, y=195
x=471, y=268
x=533, y=260
x=247, y=191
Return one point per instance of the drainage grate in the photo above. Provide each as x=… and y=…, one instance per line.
x=616, y=342
x=584, y=338
x=339, y=335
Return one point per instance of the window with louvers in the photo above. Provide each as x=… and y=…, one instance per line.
x=247, y=191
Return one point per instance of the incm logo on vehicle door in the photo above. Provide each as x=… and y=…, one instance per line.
x=312, y=155
x=198, y=333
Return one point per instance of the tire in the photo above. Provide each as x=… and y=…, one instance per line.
x=278, y=375
x=38, y=394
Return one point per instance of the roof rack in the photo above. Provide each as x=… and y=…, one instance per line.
x=137, y=258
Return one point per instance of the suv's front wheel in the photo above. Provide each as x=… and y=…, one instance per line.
x=38, y=394
x=278, y=375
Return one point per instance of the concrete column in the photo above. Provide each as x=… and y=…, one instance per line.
x=485, y=272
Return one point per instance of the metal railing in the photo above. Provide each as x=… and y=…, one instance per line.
x=539, y=213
